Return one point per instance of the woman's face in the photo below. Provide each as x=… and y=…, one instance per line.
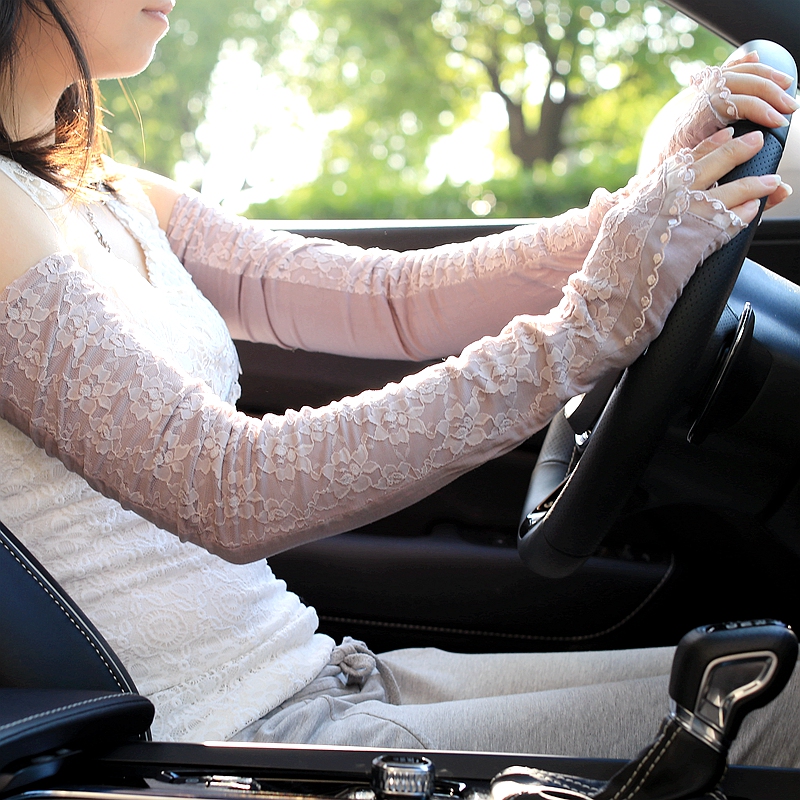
x=118, y=36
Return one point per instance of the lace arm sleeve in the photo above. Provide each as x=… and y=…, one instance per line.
x=77, y=380
x=319, y=295
x=706, y=107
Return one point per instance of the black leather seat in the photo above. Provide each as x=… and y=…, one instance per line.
x=46, y=642
x=62, y=688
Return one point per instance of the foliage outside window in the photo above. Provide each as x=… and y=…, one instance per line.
x=304, y=109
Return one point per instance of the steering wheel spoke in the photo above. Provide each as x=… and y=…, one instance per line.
x=583, y=411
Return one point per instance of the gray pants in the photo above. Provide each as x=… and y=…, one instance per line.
x=594, y=704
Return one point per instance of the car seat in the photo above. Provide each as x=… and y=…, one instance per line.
x=62, y=688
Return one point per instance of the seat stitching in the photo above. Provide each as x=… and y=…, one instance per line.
x=52, y=711
x=66, y=613
x=653, y=749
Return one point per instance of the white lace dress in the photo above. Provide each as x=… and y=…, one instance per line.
x=211, y=643
x=118, y=428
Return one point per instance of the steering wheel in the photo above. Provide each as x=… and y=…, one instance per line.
x=581, y=483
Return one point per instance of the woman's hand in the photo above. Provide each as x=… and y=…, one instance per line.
x=757, y=92
x=743, y=88
x=717, y=156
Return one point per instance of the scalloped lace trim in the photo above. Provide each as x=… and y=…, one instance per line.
x=678, y=184
x=710, y=83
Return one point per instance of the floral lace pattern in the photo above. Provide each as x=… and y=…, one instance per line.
x=84, y=378
x=172, y=612
x=709, y=110
x=710, y=83
x=182, y=458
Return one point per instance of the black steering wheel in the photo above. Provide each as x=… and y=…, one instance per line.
x=581, y=484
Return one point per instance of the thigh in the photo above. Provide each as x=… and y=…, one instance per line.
x=591, y=715
x=427, y=675
x=603, y=705
x=605, y=720
x=770, y=736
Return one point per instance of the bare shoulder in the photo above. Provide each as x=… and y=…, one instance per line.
x=162, y=192
x=26, y=232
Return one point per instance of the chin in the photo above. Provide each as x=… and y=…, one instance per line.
x=127, y=68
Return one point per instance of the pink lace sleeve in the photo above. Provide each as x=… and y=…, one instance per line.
x=319, y=295
x=708, y=110
x=75, y=377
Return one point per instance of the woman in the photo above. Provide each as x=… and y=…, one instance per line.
x=118, y=378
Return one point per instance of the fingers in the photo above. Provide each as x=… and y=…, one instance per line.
x=747, y=57
x=712, y=143
x=760, y=99
x=762, y=70
x=750, y=63
x=743, y=196
x=779, y=195
x=717, y=156
x=747, y=211
x=714, y=158
x=759, y=92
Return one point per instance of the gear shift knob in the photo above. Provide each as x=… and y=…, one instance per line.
x=720, y=673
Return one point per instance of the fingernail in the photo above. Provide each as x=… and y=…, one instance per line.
x=788, y=188
x=720, y=137
x=791, y=101
x=777, y=120
x=770, y=181
x=781, y=78
x=748, y=211
x=754, y=137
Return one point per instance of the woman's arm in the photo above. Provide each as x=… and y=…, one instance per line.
x=75, y=378
x=320, y=295
x=719, y=96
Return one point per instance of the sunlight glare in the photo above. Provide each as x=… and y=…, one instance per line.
x=262, y=139
x=466, y=154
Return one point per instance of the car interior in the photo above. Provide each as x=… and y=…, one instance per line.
x=665, y=501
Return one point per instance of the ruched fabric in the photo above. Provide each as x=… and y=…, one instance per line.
x=81, y=382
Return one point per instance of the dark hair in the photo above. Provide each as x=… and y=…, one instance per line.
x=68, y=154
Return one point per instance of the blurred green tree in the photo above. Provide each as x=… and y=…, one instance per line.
x=546, y=57
x=408, y=71
x=579, y=80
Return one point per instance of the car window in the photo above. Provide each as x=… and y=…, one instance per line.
x=303, y=109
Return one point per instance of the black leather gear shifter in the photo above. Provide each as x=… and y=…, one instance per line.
x=720, y=673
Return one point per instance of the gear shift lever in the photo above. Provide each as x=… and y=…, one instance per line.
x=720, y=673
